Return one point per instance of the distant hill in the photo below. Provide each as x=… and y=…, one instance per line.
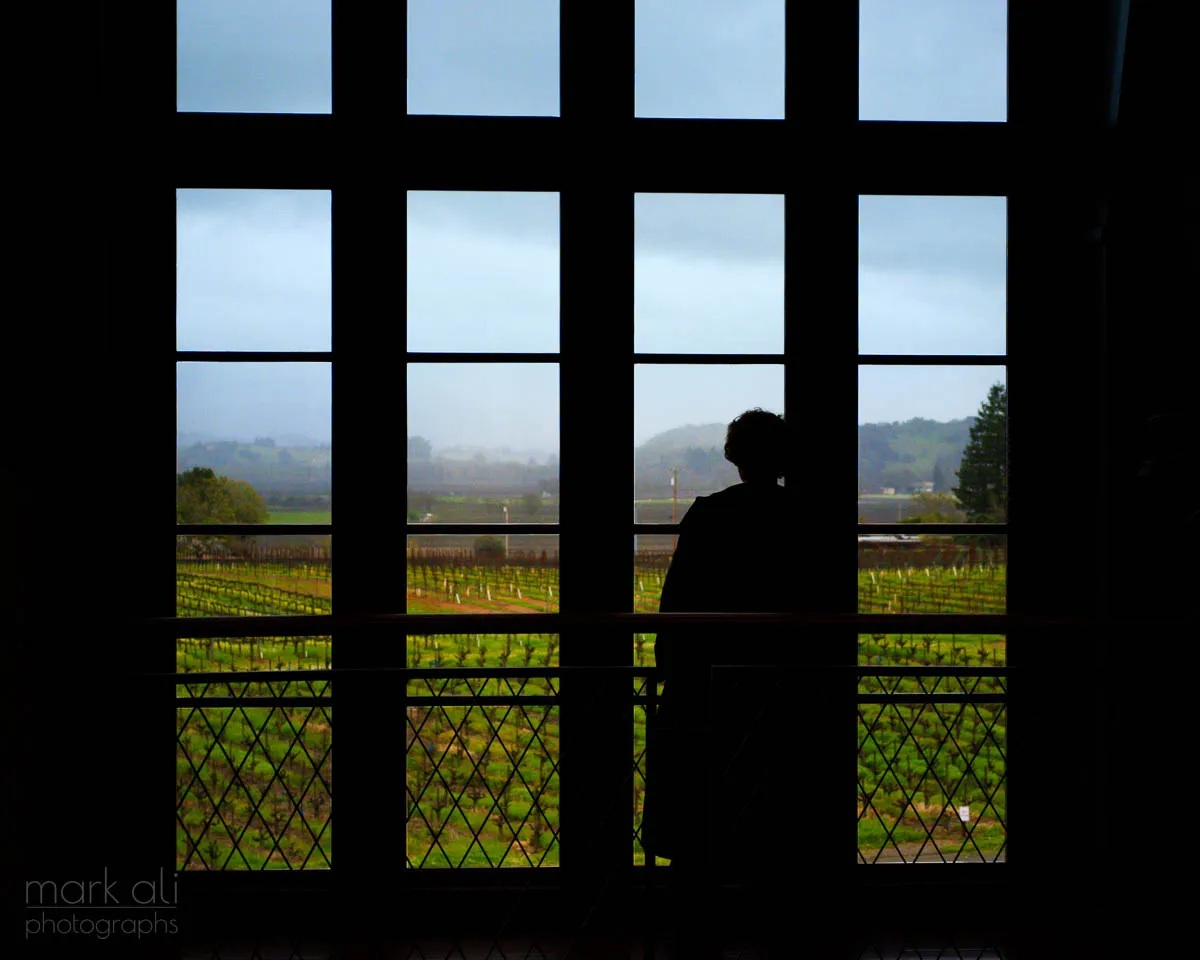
x=897, y=455
x=698, y=450
x=268, y=467
x=902, y=454
x=704, y=436
x=890, y=455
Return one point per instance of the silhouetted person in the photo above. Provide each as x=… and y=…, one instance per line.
x=731, y=556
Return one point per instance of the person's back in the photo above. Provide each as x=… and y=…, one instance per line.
x=730, y=558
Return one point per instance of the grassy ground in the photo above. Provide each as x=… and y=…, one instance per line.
x=299, y=516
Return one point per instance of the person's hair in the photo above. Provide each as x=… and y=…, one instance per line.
x=755, y=443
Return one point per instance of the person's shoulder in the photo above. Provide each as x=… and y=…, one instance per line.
x=717, y=508
x=744, y=493
x=730, y=494
x=700, y=508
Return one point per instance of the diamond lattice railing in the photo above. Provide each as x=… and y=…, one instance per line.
x=641, y=709
x=482, y=758
x=932, y=767
x=253, y=776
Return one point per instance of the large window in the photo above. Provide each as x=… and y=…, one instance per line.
x=551, y=317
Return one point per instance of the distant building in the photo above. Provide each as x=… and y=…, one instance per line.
x=888, y=491
x=924, y=486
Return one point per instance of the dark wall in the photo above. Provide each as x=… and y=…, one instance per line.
x=1153, y=416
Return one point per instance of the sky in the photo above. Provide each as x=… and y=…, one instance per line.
x=253, y=266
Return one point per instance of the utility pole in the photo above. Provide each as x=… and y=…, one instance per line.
x=506, y=530
x=674, y=502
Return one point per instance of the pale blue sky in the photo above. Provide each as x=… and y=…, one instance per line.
x=482, y=271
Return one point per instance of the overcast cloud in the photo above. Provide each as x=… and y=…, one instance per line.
x=254, y=266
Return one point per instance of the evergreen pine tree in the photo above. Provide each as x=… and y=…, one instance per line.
x=983, y=474
x=939, y=479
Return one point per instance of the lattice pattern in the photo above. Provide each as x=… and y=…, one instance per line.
x=640, y=689
x=253, y=781
x=253, y=688
x=482, y=777
x=932, y=767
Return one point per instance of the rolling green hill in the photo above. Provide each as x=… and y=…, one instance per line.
x=890, y=455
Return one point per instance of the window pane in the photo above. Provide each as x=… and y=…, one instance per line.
x=482, y=271
x=480, y=433
x=263, y=430
x=484, y=59
x=253, y=782
x=651, y=559
x=254, y=56
x=482, y=779
x=252, y=576
x=932, y=774
x=708, y=273
x=932, y=444
x=932, y=749
x=252, y=269
x=932, y=274
x=709, y=59
x=933, y=574
x=680, y=416
x=486, y=573
x=933, y=60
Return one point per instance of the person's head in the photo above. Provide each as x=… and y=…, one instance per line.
x=754, y=443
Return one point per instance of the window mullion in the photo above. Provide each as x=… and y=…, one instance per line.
x=596, y=551
x=596, y=458
x=369, y=415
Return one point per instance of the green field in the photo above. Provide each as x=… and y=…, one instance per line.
x=299, y=516
x=254, y=785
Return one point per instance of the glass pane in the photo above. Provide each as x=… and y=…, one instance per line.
x=252, y=576
x=480, y=434
x=933, y=60
x=933, y=574
x=483, y=59
x=709, y=59
x=253, y=782
x=252, y=269
x=254, y=56
x=680, y=416
x=487, y=573
x=651, y=559
x=483, y=788
x=932, y=749
x=253, y=440
x=932, y=274
x=708, y=273
x=482, y=271
x=932, y=444
x=482, y=779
